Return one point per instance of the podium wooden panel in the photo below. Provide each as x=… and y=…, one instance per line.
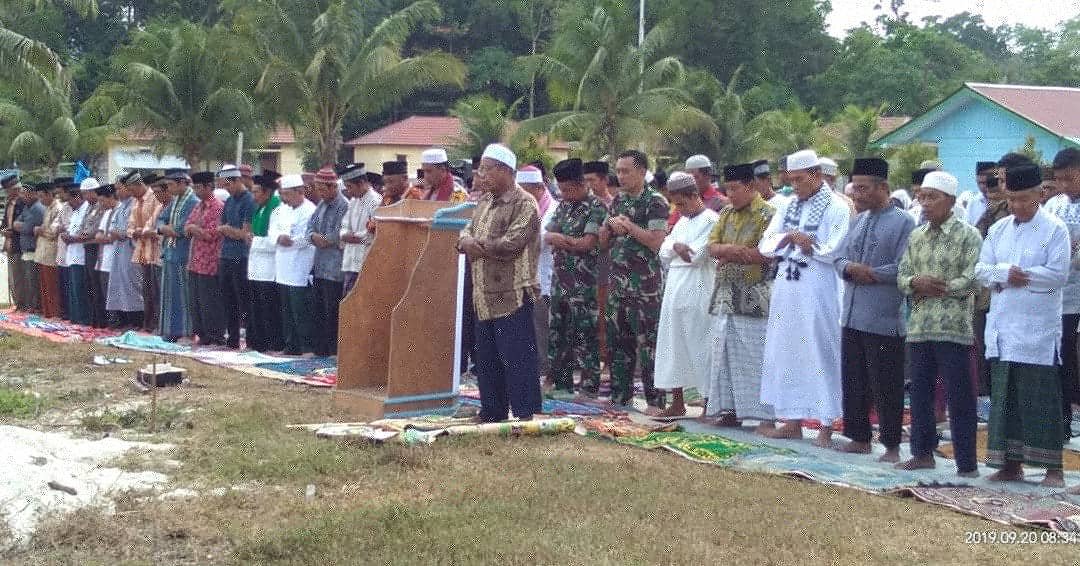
x=396, y=331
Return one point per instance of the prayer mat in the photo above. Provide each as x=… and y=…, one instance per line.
x=132, y=340
x=701, y=448
x=1057, y=512
x=1069, y=459
x=549, y=406
x=301, y=366
x=619, y=426
x=50, y=329
x=426, y=430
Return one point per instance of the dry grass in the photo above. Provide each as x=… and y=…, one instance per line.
x=480, y=500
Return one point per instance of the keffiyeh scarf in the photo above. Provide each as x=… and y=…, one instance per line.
x=818, y=204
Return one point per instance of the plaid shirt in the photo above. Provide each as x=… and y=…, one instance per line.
x=205, y=254
x=508, y=228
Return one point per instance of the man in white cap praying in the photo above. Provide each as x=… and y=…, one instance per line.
x=801, y=373
x=438, y=181
x=532, y=180
x=700, y=168
x=502, y=242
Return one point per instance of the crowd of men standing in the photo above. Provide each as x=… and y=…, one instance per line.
x=785, y=306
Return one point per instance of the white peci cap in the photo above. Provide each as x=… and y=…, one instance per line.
x=941, y=181
x=805, y=159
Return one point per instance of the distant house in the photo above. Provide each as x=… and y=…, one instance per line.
x=982, y=122
x=135, y=150
x=407, y=139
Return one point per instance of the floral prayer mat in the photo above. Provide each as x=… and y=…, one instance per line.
x=1057, y=512
x=51, y=329
x=701, y=448
x=302, y=366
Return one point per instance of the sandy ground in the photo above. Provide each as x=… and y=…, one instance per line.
x=33, y=460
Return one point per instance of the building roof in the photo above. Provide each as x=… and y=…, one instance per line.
x=1055, y=110
x=422, y=131
x=282, y=134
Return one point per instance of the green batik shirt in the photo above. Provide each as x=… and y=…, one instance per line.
x=575, y=273
x=950, y=254
x=635, y=269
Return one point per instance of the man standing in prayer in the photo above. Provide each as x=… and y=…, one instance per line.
x=233, y=266
x=176, y=249
x=872, y=350
x=96, y=295
x=596, y=176
x=987, y=194
x=355, y=236
x=146, y=250
x=206, y=305
x=438, y=181
x=107, y=200
x=124, y=295
x=15, y=205
x=45, y=253
x=264, y=329
x=633, y=235
x=763, y=183
x=77, y=299
x=740, y=303
x=293, y=260
x=325, y=234
x=572, y=234
x=596, y=180
x=532, y=180
x=31, y=217
x=1067, y=172
x=502, y=242
x=801, y=375
x=59, y=227
x=1025, y=262
x=396, y=187
x=982, y=216
x=700, y=168
x=937, y=273
x=684, y=310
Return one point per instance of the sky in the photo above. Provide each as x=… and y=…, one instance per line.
x=847, y=14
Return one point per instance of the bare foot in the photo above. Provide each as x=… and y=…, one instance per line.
x=1007, y=474
x=675, y=410
x=824, y=438
x=891, y=456
x=855, y=448
x=728, y=420
x=918, y=463
x=791, y=429
x=1054, y=478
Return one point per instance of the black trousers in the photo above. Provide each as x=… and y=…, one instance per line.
x=506, y=370
x=468, y=321
x=982, y=365
x=873, y=373
x=1070, y=378
x=151, y=296
x=95, y=293
x=265, y=332
x=324, y=332
x=235, y=296
x=207, y=312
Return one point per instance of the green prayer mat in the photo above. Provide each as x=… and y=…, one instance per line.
x=696, y=447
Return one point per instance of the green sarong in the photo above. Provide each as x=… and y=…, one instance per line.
x=1025, y=415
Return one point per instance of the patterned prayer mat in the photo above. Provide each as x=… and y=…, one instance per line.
x=50, y=329
x=426, y=430
x=1057, y=512
x=302, y=366
x=701, y=448
x=1070, y=459
x=613, y=427
x=550, y=406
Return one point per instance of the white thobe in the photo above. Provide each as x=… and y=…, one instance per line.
x=685, y=322
x=546, y=261
x=261, y=265
x=356, y=221
x=1069, y=213
x=75, y=254
x=975, y=209
x=292, y=264
x=1024, y=323
x=801, y=373
x=107, y=253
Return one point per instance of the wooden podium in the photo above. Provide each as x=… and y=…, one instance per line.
x=397, y=327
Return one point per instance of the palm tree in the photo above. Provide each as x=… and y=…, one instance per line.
x=786, y=131
x=324, y=60
x=30, y=64
x=41, y=132
x=187, y=85
x=858, y=126
x=733, y=136
x=484, y=120
x=616, y=94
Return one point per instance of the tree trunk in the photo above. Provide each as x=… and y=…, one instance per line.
x=532, y=84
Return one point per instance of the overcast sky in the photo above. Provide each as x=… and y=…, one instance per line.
x=847, y=14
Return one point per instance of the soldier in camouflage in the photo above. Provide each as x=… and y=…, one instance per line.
x=633, y=235
x=573, y=234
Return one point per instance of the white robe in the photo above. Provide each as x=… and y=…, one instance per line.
x=355, y=221
x=683, y=352
x=801, y=374
x=1024, y=323
x=292, y=264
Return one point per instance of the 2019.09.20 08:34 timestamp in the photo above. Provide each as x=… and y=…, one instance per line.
x=1020, y=537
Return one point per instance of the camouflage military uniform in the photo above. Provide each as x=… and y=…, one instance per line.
x=573, y=341
x=633, y=304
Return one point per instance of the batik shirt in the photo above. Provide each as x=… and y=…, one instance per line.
x=636, y=269
x=743, y=289
x=576, y=273
x=508, y=228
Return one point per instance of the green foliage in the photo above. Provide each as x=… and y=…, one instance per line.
x=905, y=159
x=484, y=120
x=858, y=128
x=19, y=404
x=1030, y=149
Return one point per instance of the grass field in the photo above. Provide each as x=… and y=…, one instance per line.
x=555, y=500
